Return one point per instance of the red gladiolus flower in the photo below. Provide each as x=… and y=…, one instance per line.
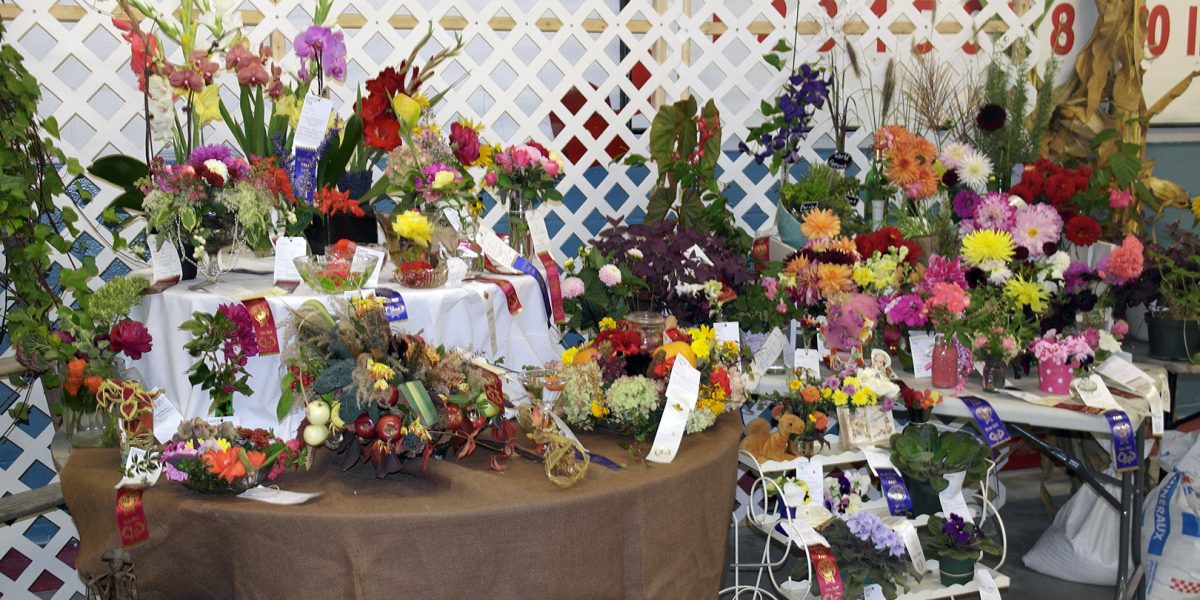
x=130, y=337
x=1083, y=230
x=382, y=133
x=142, y=50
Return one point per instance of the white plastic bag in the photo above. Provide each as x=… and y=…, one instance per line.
x=1080, y=544
x=1171, y=525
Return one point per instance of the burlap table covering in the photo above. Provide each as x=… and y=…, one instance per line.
x=456, y=531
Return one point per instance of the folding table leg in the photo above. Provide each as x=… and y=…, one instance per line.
x=1126, y=527
x=1139, y=496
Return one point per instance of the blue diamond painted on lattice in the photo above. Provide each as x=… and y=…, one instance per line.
x=37, y=423
x=572, y=245
x=384, y=204
x=82, y=190
x=41, y=531
x=637, y=174
x=114, y=225
x=37, y=475
x=635, y=216
x=9, y=453
x=755, y=217
x=115, y=268
x=734, y=193
x=85, y=245
x=53, y=218
x=553, y=223
x=7, y=396
x=616, y=197
x=595, y=175
x=574, y=199
x=52, y=277
x=594, y=222
x=4, y=343
x=755, y=172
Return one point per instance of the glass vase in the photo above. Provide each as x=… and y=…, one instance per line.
x=519, y=236
x=649, y=326
x=994, y=372
x=90, y=427
x=945, y=362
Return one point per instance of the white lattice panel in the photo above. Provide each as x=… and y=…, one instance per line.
x=526, y=66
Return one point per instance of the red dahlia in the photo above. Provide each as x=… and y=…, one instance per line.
x=1083, y=230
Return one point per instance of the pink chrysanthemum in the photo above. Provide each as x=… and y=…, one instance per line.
x=994, y=212
x=1034, y=226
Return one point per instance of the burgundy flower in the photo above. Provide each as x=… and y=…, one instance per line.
x=465, y=142
x=1059, y=188
x=1083, y=230
x=991, y=117
x=130, y=337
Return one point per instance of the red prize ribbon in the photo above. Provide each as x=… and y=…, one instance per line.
x=264, y=325
x=552, y=280
x=825, y=571
x=131, y=517
x=510, y=292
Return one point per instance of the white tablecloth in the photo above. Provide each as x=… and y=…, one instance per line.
x=453, y=317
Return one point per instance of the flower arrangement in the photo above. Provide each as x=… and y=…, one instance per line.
x=1061, y=349
x=846, y=491
x=524, y=175
x=222, y=342
x=866, y=548
x=215, y=200
x=907, y=161
x=226, y=459
x=918, y=399
x=821, y=273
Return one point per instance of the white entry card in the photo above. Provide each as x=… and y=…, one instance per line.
x=770, y=350
x=367, y=253
x=682, y=391
x=808, y=359
x=952, y=498
x=877, y=459
x=494, y=248
x=873, y=592
x=913, y=544
x=164, y=260
x=1094, y=393
x=987, y=585
x=538, y=231
x=287, y=249
x=812, y=472
x=314, y=122
x=921, y=345
x=727, y=331
x=166, y=419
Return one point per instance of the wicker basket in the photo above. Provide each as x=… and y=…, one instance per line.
x=423, y=279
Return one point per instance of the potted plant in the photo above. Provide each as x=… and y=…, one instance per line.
x=821, y=187
x=867, y=551
x=923, y=455
x=1174, y=320
x=958, y=544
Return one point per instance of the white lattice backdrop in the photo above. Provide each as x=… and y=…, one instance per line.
x=582, y=75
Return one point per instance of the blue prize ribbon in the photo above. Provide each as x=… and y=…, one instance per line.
x=994, y=431
x=393, y=305
x=304, y=174
x=523, y=265
x=1124, y=447
x=894, y=491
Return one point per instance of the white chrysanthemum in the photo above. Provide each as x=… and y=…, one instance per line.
x=1059, y=262
x=953, y=154
x=1017, y=202
x=974, y=170
x=1108, y=342
x=997, y=270
x=217, y=167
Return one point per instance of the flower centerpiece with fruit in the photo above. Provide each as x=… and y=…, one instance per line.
x=226, y=459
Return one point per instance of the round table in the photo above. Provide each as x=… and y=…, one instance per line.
x=473, y=315
x=459, y=530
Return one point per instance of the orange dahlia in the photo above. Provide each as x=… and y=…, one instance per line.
x=821, y=223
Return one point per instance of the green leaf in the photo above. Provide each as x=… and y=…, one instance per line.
x=51, y=126
x=1104, y=136
x=73, y=167
x=19, y=412
x=1125, y=168
x=120, y=170
x=782, y=46
x=774, y=60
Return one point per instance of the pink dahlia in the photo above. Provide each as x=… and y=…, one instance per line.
x=1035, y=225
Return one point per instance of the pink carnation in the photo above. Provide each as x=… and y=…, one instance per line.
x=572, y=287
x=949, y=296
x=1124, y=263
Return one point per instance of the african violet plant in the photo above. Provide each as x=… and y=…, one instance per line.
x=923, y=453
x=955, y=537
x=866, y=548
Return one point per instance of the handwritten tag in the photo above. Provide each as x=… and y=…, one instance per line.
x=164, y=260
x=1094, y=393
x=952, y=499
x=770, y=350
x=287, y=249
x=166, y=419
x=873, y=592
x=314, y=122
x=728, y=331
x=1157, y=423
x=682, y=391
x=920, y=343
x=494, y=248
x=365, y=253
x=538, y=231
x=987, y=585
x=913, y=544
x=812, y=472
x=800, y=529
x=809, y=360
x=1125, y=375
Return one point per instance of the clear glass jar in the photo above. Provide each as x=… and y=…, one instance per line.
x=649, y=326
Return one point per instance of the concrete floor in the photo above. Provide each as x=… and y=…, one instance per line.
x=1025, y=519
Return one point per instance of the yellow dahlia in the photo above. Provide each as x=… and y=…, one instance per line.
x=983, y=245
x=821, y=223
x=1027, y=293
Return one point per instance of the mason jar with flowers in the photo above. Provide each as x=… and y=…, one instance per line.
x=524, y=176
x=215, y=203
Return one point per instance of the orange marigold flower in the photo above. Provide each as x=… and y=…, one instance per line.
x=810, y=394
x=821, y=223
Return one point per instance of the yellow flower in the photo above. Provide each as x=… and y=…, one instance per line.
x=795, y=384
x=863, y=397
x=983, y=245
x=703, y=333
x=381, y=385
x=607, y=323
x=443, y=179
x=730, y=347
x=853, y=381
x=407, y=109
x=287, y=106
x=413, y=226
x=486, y=152
x=840, y=398
x=364, y=304
x=379, y=370
x=599, y=410
x=1196, y=207
x=821, y=223
x=863, y=276
x=826, y=393
x=568, y=355
x=223, y=443
x=1027, y=293
x=701, y=348
x=207, y=104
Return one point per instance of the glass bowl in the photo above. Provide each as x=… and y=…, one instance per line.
x=333, y=274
